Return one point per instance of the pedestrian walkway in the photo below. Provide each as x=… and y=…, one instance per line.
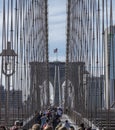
x=72, y=123
x=65, y=117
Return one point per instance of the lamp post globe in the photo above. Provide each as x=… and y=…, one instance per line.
x=8, y=60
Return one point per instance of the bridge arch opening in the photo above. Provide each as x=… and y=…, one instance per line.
x=51, y=90
x=43, y=94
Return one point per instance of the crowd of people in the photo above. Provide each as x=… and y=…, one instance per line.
x=49, y=119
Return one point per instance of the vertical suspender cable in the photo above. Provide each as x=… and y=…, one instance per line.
x=15, y=42
x=23, y=66
x=18, y=67
x=92, y=58
x=8, y=11
x=96, y=57
x=21, y=56
x=12, y=46
x=110, y=60
x=102, y=57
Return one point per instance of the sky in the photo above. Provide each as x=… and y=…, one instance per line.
x=57, y=29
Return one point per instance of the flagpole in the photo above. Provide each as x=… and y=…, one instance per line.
x=57, y=56
x=56, y=53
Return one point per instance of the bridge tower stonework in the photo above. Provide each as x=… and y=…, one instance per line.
x=57, y=78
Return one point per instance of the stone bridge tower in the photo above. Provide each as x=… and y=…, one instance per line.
x=57, y=78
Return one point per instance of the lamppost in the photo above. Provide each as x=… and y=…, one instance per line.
x=8, y=68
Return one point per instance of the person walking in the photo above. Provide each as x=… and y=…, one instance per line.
x=67, y=124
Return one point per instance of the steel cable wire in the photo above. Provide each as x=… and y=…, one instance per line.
x=87, y=38
x=31, y=45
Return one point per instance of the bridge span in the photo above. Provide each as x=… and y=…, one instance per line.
x=83, y=85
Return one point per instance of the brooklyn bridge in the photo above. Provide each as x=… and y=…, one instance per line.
x=83, y=85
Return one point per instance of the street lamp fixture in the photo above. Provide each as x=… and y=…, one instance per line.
x=8, y=60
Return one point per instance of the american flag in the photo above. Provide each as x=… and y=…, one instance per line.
x=55, y=50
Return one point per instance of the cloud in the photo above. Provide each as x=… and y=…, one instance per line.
x=58, y=13
x=60, y=58
x=57, y=19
